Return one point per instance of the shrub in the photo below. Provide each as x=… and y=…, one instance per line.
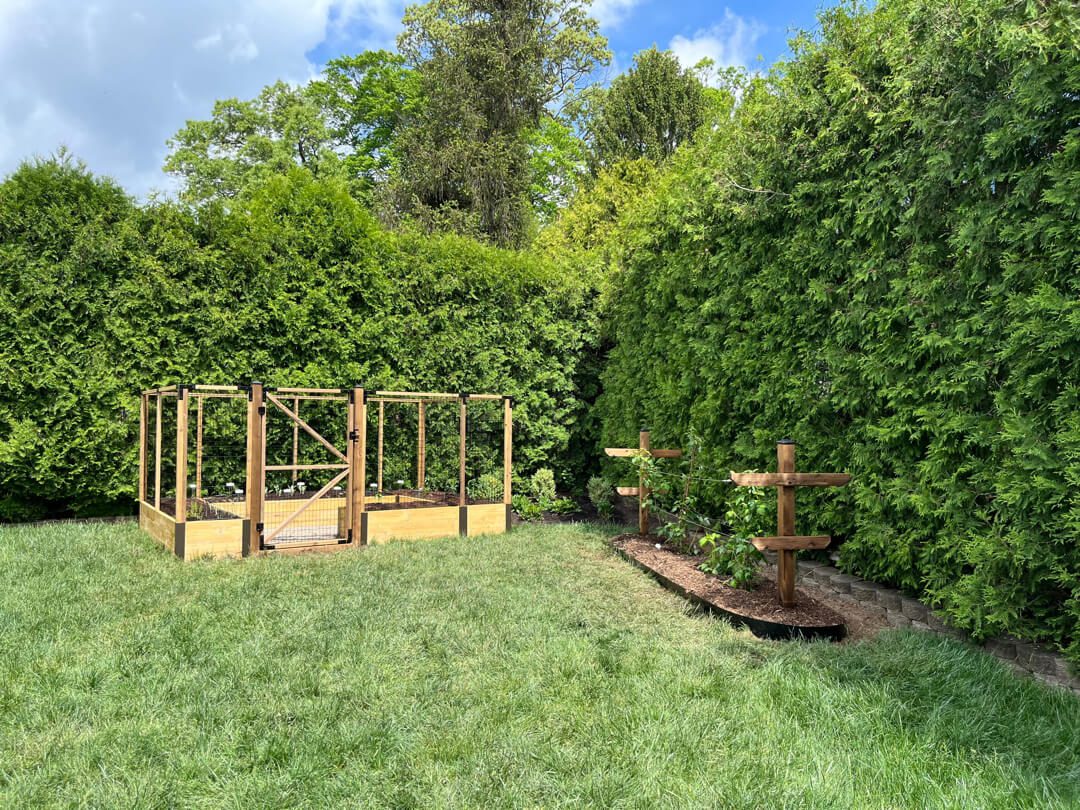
x=487, y=487
x=542, y=487
x=601, y=496
x=876, y=256
x=525, y=509
x=562, y=506
x=100, y=298
x=732, y=554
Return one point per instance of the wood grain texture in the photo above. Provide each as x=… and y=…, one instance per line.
x=412, y=524
x=785, y=525
x=486, y=518
x=143, y=417
x=213, y=538
x=790, y=479
x=157, y=456
x=508, y=450
x=181, y=455
x=792, y=543
x=157, y=524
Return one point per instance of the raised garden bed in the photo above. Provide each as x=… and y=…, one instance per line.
x=758, y=610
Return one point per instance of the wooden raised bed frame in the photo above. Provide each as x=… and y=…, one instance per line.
x=355, y=523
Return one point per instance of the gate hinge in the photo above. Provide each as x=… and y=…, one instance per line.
x=262, y=410
x=354, y=435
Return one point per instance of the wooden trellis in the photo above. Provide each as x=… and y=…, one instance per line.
x=786, y=542
x=642, y=490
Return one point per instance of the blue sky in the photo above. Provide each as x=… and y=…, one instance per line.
x=113, y=79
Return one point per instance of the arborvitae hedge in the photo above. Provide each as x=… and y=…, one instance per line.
x=295, y=285
x=878, y=256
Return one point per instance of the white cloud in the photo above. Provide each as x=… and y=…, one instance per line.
x=728, y=43
x=113, y=79
x=609, y=13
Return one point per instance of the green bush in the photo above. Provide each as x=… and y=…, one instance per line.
x=525, y=508
x=297, y=285
x=601, y=496
x=542, y=487
x=563, y=506
x=487, y=487
x=876, y=255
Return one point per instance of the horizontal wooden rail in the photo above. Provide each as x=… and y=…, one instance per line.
x=627, y=452
x=791, y=542
x=790, y=479
x=217, y=387
x=288, y=467
x=432, y=395
x=307, y=390
x=218, y=395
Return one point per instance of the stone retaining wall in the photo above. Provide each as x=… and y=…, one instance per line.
x=903, y=611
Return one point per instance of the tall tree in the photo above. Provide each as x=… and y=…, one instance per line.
x=343, y=123
x=647, y=112
x=365, y=100
x=249, y=140
x=488, y=71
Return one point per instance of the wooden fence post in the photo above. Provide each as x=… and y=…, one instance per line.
x=181, y=454
x=143, y=416
x=378, y=478
x=256, y=461
x=461, y=454
x=295, y=440
x=357, y=473
x=198, y=445
x=785, y=523
x=643, y=491
x=157, y=455
x=421, y=447
x=508, y=447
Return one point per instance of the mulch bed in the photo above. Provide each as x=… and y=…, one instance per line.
x=760, y=607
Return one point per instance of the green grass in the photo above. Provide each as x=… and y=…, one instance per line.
x=534, y=669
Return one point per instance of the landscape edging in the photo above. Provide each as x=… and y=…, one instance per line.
x=906, y=612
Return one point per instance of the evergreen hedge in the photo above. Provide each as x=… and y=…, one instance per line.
x=294, y=285
x=878, y=256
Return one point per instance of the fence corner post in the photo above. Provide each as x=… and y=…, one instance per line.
x=256, y=459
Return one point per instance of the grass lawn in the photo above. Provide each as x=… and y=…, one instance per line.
x=528, y=670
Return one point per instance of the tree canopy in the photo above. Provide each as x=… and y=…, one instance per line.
x=647, y=112
x=488, y=72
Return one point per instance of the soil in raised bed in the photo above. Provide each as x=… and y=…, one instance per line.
x=813, y=608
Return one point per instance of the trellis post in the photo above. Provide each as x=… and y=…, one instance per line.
x=157, y=454
x=786, y=543
x=642, y=490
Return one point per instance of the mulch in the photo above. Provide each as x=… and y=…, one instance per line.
x=814, y=608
